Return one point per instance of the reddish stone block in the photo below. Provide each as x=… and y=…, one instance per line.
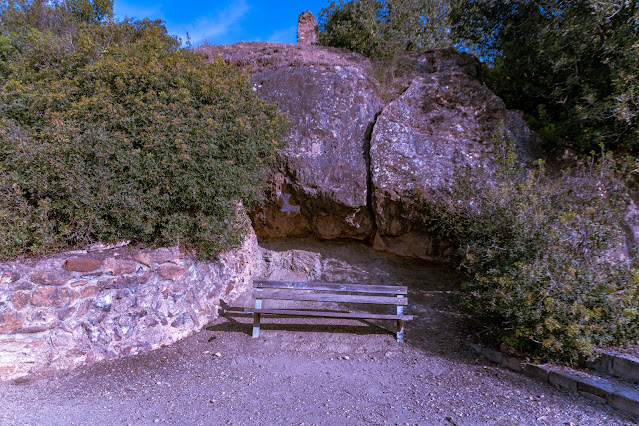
x=82, y=264
x=51, y=278
x=84, y=307
x=10, y=322
x=66, y=313
x=172, y=272
x=24, y=285
x=89, y=291
x=53, y=296
x=38, y=328
x=144, y=278
x=161, y=255
x=20, y=300
x=126, y=281
x=41, y=316
x=8, y=276
x=119, y=267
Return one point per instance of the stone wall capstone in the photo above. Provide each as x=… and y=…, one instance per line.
x=80, y=307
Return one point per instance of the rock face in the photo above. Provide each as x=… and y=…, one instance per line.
x=356, y=165
x=306, y=29
x=67, y=310
x=320, y=183
x=444, y=120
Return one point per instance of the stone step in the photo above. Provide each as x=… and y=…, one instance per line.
x=598, y=386
x=624, y=366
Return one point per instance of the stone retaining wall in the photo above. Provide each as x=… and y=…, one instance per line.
x=622, y=395
x=81, y=307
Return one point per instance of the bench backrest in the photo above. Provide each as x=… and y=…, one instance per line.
x=331, y=292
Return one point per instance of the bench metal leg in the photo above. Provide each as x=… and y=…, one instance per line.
x=256, y=325
x=256, y=318
x=400, y=323
x=400, y=331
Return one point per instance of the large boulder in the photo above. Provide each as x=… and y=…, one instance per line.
x=319, y=185
x=363, y=151
x=444, y=120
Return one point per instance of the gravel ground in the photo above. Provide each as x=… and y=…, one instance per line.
x=303, y=371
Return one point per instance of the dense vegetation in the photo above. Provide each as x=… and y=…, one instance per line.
x=542, y=253
x=110, y=131
x=571, y=66
x=382, y=29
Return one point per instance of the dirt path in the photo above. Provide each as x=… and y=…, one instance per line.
x=309, y=372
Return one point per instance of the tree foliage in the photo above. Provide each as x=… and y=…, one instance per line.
x=541, y=254
x=91, y=11
x=111, y=131
x=571, y=66
x=384, y=28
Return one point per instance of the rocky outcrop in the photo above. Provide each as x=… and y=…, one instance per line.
x=443, y=121
x=319, y=185
x=306, y=29
x=323, y=170
x=81, y=307
x=357, y=166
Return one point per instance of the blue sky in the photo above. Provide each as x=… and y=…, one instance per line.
x=224, y=21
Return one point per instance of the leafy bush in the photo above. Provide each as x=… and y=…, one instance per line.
x=110, y=131
x=384, y=28
x=541, y=253
x=570, y=66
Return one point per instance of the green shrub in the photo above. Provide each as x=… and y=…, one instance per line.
x=385, y=28
x=541, y=253
x=570, y=66
x=111, y=131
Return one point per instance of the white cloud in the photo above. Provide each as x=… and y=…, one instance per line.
x=287, y=35
x=212, y=27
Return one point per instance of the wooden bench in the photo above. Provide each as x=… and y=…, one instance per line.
x=330, y=292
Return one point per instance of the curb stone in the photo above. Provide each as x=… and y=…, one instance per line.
x=623, y=397
x=622, y=366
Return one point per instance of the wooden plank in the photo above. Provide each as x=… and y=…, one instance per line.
x=353, y=288
x=329, y=297
x=325, y=314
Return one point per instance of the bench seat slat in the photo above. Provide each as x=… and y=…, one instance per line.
x=323, y=297
x=354, y=288
x=325, y=314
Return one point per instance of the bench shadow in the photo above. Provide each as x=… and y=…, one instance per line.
x=230, y=313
